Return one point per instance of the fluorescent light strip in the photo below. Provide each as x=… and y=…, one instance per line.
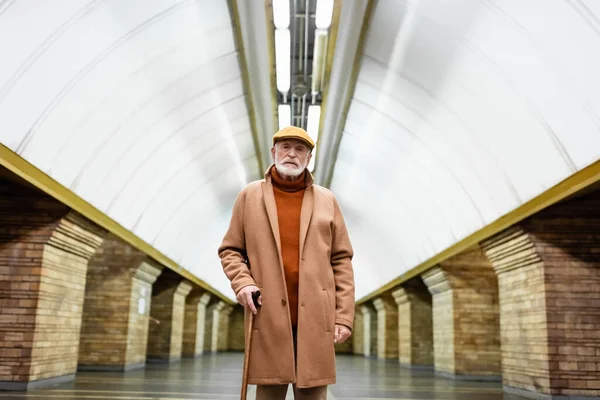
x=324, y=14
x=285, y=115
x=282, y=59
x=281, y=14
x=312, y=126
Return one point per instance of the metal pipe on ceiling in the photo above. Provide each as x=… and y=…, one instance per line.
x=293, y=26
x=306, y=19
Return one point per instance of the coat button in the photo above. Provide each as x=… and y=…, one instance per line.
x=283, y=302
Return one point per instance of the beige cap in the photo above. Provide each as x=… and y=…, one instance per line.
x=293, y=132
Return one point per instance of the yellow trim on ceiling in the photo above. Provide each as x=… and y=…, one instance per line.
x=351, y=87
x=573, y=184
x=239, y=44
x=21, y=167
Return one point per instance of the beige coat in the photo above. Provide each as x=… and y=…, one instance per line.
x=326, y=283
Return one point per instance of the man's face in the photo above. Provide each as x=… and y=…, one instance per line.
x=291, y=157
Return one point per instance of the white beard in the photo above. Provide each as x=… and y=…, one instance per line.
x=288, y=170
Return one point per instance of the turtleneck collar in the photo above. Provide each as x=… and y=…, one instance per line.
x=288, y=186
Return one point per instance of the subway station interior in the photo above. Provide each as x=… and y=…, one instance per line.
x=461, y=139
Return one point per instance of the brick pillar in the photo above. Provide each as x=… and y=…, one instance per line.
x=369, y=330
x=549, y=278
x=202, y=325
x=236, y=329
x=194, y=325
x=139, y=312
x=44, y=252
x=208, y=324
x=114, y=328
x=466, y=329
x=168, y=308
x=373, y=333
x=387, y=327
x=224, y=328
x=358, y=333
x=220, y=329
x=415, y=324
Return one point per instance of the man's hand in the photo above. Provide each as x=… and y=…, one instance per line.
x=244, y=297
x=341, y=333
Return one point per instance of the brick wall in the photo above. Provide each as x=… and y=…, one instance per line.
x=195, y=318
x=443, y=319
x=567, y=238
x=202, y=315
x=358, y=335
x=523, y=317
x=373, y=333
x=190, y=324
x=107, y=306
x=421, y=324
x=405, y=337
x=415, y=324
x=221, y=334
x=549, y=276
x=183, y=289
x=466, y=324
x=369, y=331
x=62, y=289
x=139, y=312
x=387, y=326
x=208, y=324
x=168, y=308
x=44, y=251
x=236, y=329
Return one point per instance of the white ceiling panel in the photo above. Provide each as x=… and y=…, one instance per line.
x=138, y=107
x=463, y=110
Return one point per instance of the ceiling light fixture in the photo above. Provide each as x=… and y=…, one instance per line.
x=312, y=126
x=324, y=14
x=285, y=115
x=281, y=14
x=282, y=59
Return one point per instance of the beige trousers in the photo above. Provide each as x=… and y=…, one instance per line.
x=278, y=392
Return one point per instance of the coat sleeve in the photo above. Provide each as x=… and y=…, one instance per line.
x=341, y=262
x=232, y=250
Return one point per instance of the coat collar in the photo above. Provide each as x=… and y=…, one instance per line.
x=305, y=212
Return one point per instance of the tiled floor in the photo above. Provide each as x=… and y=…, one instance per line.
x=219, y=377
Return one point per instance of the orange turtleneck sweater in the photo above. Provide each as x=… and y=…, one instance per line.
x=288, y=198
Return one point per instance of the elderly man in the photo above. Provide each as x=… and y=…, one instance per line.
x=287, y=238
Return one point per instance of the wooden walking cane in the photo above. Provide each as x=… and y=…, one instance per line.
x=255, y=296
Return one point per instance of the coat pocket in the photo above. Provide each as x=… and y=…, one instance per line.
x=325, y=298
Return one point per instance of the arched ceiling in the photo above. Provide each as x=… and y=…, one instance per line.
x=462, y=112
x=438, y=117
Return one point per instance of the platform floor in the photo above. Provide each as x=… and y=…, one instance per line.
x=219, y=377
